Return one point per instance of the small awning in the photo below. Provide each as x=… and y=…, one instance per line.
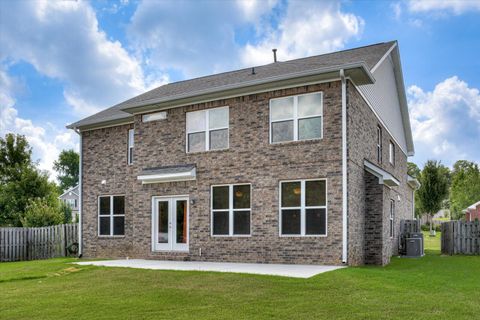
x=383, y=176
x=168, y=174
x=412, y=182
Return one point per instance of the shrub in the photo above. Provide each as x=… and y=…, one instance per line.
x=39, y=213
x=426, y=227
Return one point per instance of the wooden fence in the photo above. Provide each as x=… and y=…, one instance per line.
x=17, y=244
x=460, y=237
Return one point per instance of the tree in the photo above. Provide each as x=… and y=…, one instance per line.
x=434, y=188
x=41, y=213
x=465, y=187
x=413, y=170
x=20, y=181
x=67, y=167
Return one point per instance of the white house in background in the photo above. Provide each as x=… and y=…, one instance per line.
x=70, y=197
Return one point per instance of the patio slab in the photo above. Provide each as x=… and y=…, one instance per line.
x=284, y=270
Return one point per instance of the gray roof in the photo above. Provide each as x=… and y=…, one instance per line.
x=168, y=169
x=367, y=56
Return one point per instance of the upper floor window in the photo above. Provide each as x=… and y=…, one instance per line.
x=111, y=215
x=296, y=118
x=207, y=129
x=72, y=203
x=379, y=144
x=231, y=209
x=392, y=218
x=391, y=153
x=303, y=208
x=131, y=134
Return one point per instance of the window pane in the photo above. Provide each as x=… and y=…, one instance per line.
x=218, y=118
x=291, y=192
x=315, y=221
x=281, y=108
x=118, y=226
x=220, y=223
x=196, y=121
x=219, y=139
x=241, y=197
x=130, y=155
x=291, y=221
x=196, y=142
x=163, y=222
x=282, y=131
x=220, y=197
x=315, y=193
x=104, y=206
x=182, y=221
x=105, y=226
x=130, y=137
x=119, y=205
x=241, y=222
x=310, y=128
x=309, y=105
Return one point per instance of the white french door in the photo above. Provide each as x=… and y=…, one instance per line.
x=170, y=223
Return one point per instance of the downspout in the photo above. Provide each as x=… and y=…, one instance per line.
x=344, y=169
x=80, y=192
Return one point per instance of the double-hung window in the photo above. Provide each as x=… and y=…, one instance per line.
x=231, y=210
x=207, y=129
x=111, y=215
x=392, y=218
x=391, y=153
x=303, y=208
x=131, y=134
x=296, y=118
x=379, y=144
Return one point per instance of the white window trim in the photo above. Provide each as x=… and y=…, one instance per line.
x=230, y=210
x=207, y=130
x=295, y=118
x=302, y=209
x=111, y=215
x=379, y=144
x=392, y=218
x=391, y=153
x=130, y=146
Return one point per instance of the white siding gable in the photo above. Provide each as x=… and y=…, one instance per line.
x=383, y=98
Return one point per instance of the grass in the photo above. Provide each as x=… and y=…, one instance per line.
x=433, y=287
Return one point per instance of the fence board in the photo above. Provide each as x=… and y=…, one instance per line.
x=461, y=237
x=17, y=244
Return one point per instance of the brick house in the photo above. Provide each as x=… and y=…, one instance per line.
x=472, y=213
x=302, y=161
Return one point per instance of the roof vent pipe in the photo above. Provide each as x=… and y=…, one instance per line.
x=253, y=70
x=274, y=55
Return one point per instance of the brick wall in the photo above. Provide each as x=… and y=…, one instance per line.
x=250, y=159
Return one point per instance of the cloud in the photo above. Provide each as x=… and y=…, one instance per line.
x=457, y=7
x=446, y=121
x=62, y=40
x=307, y=28
x=46, y=143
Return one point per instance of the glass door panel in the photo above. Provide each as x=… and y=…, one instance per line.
x=170, y=224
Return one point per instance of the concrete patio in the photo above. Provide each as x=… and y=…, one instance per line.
x=284, y=270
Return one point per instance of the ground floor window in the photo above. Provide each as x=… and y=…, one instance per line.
x=111, y=215
x=231, y=210
x=303, y=208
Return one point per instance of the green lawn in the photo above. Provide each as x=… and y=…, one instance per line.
x=434, y=287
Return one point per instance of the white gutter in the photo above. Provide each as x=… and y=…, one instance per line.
x=344, y=168
x=80, y=244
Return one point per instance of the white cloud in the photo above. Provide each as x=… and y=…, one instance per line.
x=455, y=6
x=446, y=121
x=307, y=28
x=62, y=40
x=46, y=143
x=397, y=9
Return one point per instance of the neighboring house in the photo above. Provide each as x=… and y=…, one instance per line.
x=303, y=161
x=71, y=198
x=472, y=213
x=441, y=214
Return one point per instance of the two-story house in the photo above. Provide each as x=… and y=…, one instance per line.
x=301, y=161
x=70, y=197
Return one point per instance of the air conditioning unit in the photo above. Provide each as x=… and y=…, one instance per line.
x=414, y=247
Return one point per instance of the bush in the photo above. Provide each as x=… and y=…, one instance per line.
x=40, y=213
x=426, y=227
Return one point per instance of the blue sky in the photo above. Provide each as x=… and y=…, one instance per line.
x=63, y=60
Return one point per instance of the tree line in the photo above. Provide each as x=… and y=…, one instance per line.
x=27, y=197
x=443, y=188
